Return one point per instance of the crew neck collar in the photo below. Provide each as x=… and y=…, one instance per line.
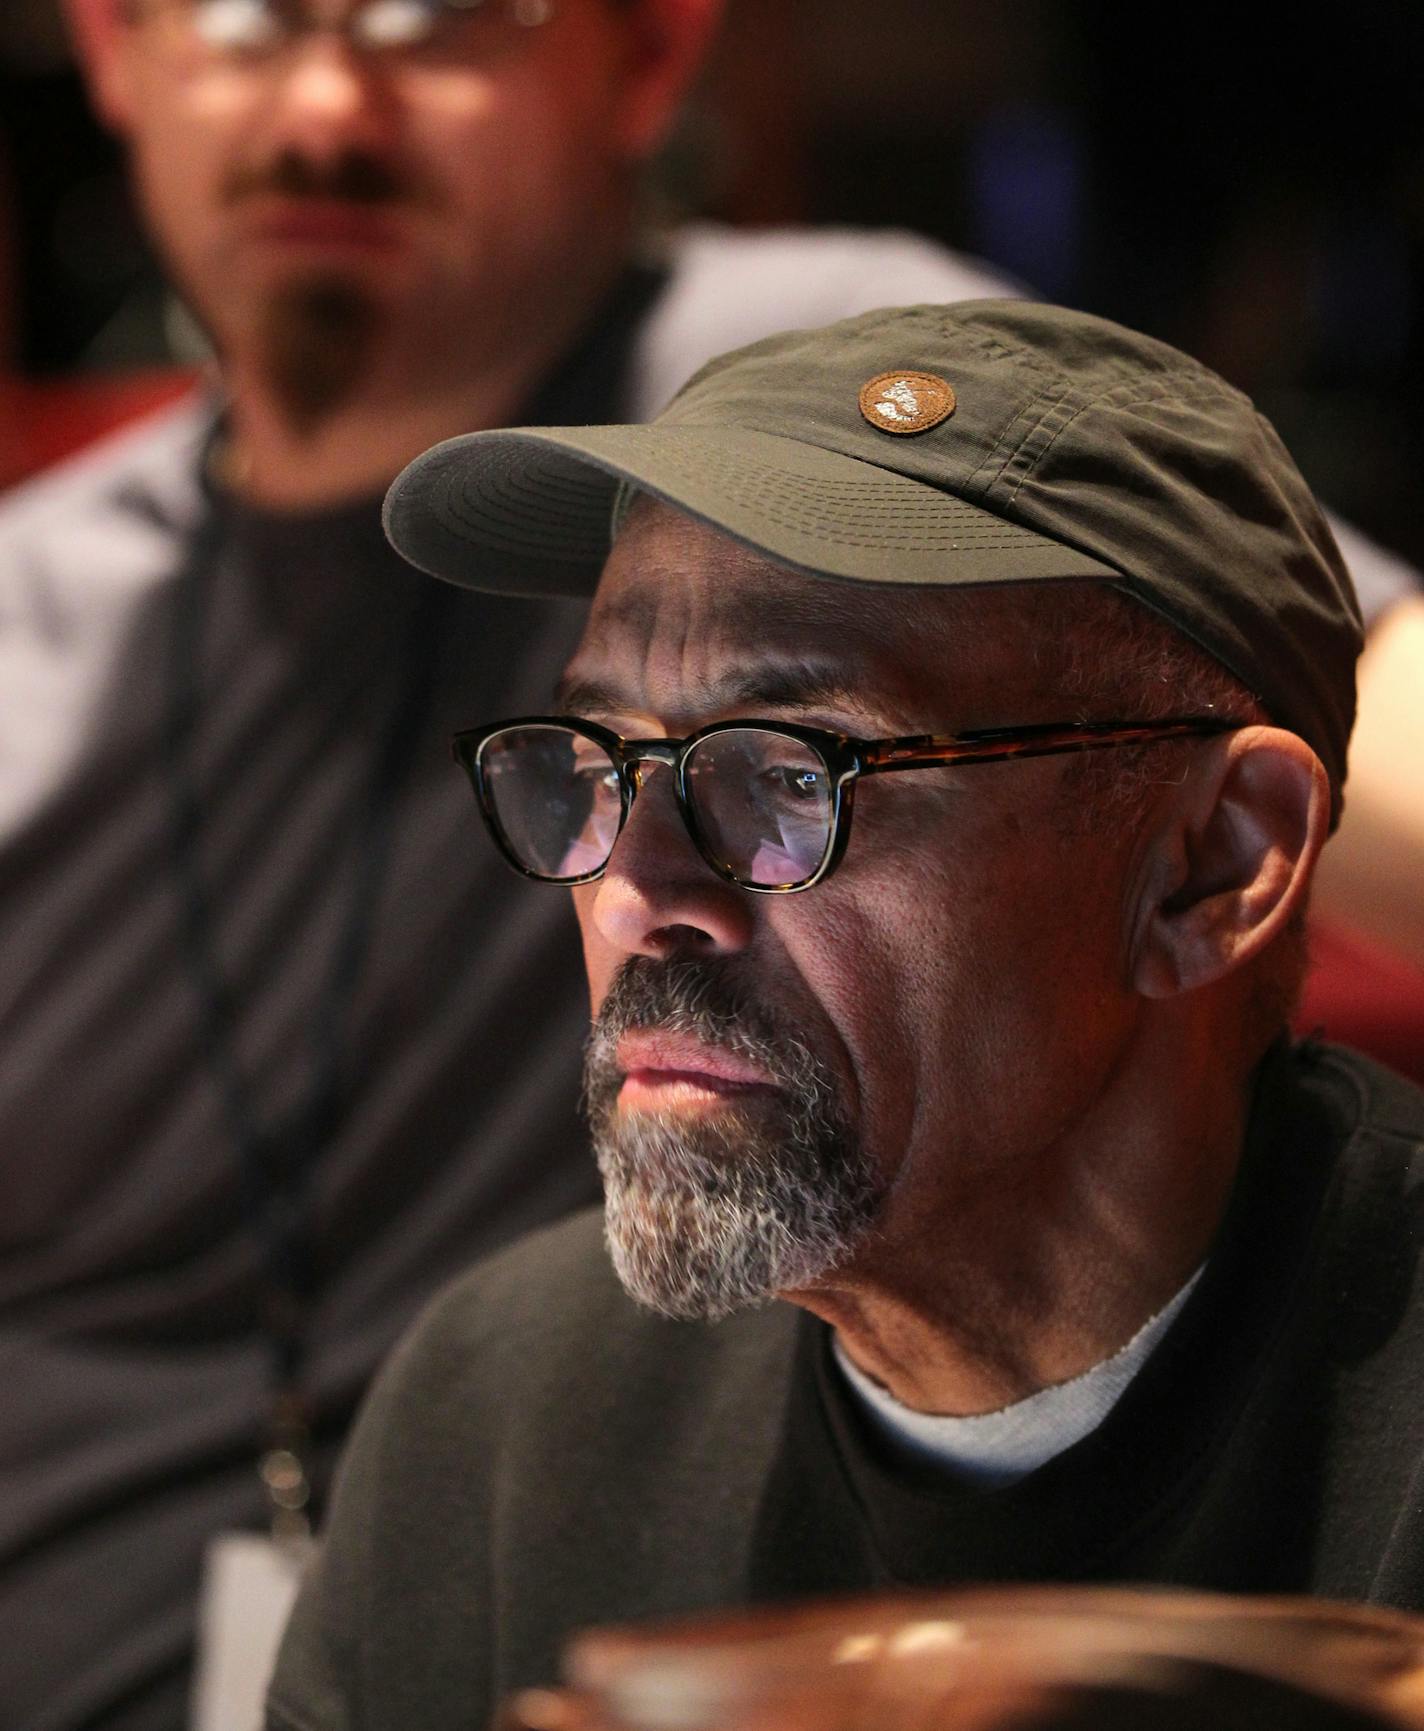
x=999, y=1447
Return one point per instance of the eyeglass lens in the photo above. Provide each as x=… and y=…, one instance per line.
x=555, y=797
x=763, y=803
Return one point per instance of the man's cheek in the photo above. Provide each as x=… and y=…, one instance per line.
x=885, y=999
x=599, y=962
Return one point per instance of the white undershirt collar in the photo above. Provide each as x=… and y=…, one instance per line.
x=996, y=1448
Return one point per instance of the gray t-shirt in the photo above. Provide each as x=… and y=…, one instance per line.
x=129, y=1256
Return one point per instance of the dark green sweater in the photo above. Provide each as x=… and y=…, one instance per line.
x=541, y=1454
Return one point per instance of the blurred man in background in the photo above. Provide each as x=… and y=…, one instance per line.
x=284, y=1047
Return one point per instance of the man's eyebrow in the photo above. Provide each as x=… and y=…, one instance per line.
x=778, y=685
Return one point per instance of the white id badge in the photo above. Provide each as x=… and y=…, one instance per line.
x=249, y=1583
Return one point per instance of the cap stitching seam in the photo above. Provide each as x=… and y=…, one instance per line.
x=1049, y=409
x=1120, y=396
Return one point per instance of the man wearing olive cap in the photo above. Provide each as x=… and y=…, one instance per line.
x=1084, y=1271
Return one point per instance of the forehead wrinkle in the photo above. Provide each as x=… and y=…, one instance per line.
x=704, y=649
x=630, y=609
x=794, y=683
x=682, y=610
x=701, y=650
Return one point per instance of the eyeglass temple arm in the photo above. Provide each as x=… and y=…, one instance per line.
x=1046, y=739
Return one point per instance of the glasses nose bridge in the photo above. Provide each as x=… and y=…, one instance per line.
x=317, y=17
x=639, y=755
x=640, y=752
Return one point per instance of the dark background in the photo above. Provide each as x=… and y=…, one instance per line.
x=1245, y=181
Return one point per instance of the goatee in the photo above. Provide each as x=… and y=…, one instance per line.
x=318, y=331
x=318, y=336
x=706, y=1214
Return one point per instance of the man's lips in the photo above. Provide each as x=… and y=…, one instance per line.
x=325, y=222
x=659, y=1068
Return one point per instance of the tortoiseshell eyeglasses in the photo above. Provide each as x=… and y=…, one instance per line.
x=766, y=803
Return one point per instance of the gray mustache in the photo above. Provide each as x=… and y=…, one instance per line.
x=708, y=1000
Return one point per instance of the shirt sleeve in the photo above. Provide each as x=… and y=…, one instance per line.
x=1381, y=578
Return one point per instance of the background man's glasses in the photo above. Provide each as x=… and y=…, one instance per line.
x=766, y=803
x=254, y=30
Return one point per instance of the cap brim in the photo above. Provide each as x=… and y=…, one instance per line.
x=530, y=511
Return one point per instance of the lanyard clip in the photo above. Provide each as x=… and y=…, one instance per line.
x=283, y=1469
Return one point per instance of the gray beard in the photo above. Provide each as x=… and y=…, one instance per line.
x=710, y=1214
x=317, y=339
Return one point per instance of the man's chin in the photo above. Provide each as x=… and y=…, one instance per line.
x=318, y=336
x=674, y=1257
x=697, y=1238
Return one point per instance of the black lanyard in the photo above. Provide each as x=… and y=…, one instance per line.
x=277, y=1156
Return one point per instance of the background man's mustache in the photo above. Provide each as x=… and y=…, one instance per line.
x=354, y=176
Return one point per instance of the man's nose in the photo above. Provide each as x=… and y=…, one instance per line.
x=658, y=896
x=330, y=98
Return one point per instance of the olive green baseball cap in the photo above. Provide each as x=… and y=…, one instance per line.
x=981, y=442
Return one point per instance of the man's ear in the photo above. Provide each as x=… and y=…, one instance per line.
x=101, y=36
x=668, y=43
x=1232, y=861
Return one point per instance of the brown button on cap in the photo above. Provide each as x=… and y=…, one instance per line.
x=906, y=402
